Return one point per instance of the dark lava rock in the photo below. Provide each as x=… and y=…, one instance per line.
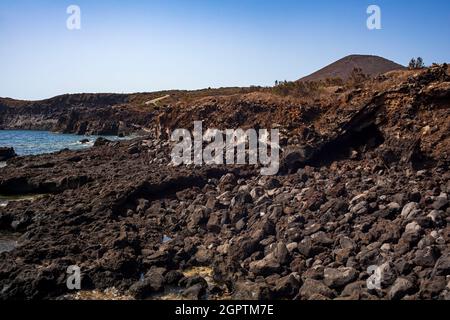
x=315, y=290
x=442, y=267
x=242, y=198
x=7, y=153
x=265, y=266
x=440, y=203
x=194, y=292
x=273, y=183
x=101, y=142
x=287, y=287
x=173, y=277
x=244, y=248
x=337, y=278
x=400, y=288
x=431, y=288
x=195, y=287
x=214, y=223
x=308, y=248
x=355, y=290
x=152, y=283
x=191, y=281
x=426, y=257
x=247, y=290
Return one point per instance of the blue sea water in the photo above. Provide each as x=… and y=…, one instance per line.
x=27, y=142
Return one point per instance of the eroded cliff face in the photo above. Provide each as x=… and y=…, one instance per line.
x=96, y=114
x=365, y=182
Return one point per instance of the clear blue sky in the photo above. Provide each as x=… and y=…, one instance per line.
x=137, y=45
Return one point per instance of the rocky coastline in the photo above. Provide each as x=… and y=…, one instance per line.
x=82, y=114
x=364, y=182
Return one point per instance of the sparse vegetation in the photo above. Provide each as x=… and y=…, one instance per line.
x=357, y=77
x=416, y=63
x=304, y=88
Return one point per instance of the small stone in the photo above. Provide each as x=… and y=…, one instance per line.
x=421, y=173
x=308, y=249
x=273, y=183
x=354, y=290
x=188, y=282
x=322, y=238
x=264, y=267
x=281, y=253
x=309, y=230
x=247, y=290
x=228, y=179
x=173, y=277
x=403, y=266
x=393, y=206
x=435, y=216
x=337, y=278
x=211, y=203
x=152, y=283
x=410, y=207
x=241, y=199
x=194, y=292
x=312, y=287
x=413, y=227
x=257, y=192
x=400, y=288
x=223, y=249
x=387, y=273
x=143, y=204
x=360, y=208
x=214, y=224
x=292, y=246
x=426, y=257
x=412, y=233
x=359, y=197
x=431, y=288
x=240, y=225
x=415, y=196
x=347, y=243
x=440, y=203
x=442, y=266
x=342, y=255
x=288, y=210
x=287, y=286
x=197, y=218
x=101, y=142
x=203, y=256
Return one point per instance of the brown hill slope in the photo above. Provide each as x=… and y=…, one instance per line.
x=370, y=65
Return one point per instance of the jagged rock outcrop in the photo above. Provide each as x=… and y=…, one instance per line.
x=84, y=114
x=6, y=153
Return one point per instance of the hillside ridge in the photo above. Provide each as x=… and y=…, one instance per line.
x=369, y=64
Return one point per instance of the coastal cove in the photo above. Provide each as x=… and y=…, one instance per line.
x=30, y=142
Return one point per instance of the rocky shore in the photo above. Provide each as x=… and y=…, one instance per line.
x=364, y=185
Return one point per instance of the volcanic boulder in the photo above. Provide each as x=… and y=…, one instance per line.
x=7, y=153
